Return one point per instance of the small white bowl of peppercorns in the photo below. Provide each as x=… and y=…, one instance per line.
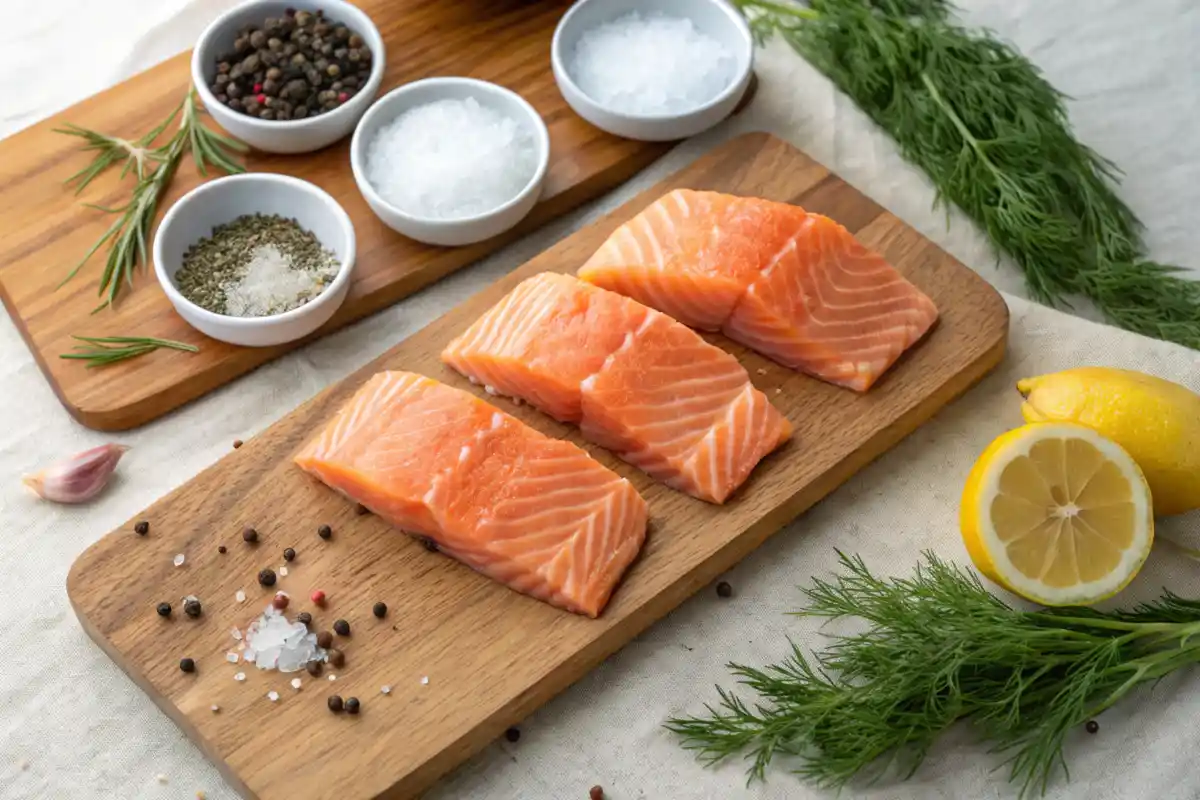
x=288, y=78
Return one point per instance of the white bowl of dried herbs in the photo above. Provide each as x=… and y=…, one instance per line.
x=255, y=259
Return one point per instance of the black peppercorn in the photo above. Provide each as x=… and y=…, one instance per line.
x=289, y=554
x=1092, y=726
x=266, y=577
x=304, y=618
x=192, y=607
x=379, y=610
x=187, y=665
x=222, y=549
x=335, y=703
x=163, y=609
x=266, y=113
x=324, y=640
x=724, y=589
x=325, y=532
x=142, y=528
x=341, y=627
x=512, y=734
x=250, y=536
x=299, y=112
x=429, y=544
x=336, y=657
x=352, y=705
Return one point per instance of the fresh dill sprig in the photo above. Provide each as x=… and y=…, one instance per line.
x=938, y=649
x=153, y=167
x=995, y=139
x=100, y=351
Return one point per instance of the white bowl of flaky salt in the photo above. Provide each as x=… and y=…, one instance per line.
x=255, y=259
x=450, y=161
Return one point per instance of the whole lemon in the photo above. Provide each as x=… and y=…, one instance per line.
x=1156, y=421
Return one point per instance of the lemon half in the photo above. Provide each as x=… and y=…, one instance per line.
x=1058, y=514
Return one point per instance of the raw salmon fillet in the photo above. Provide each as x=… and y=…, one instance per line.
x=794, y=286
x=635, y=381
x=534, y=513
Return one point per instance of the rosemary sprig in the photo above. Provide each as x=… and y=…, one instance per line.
x=994, y=137
x=939, y=648
x=126, y=237
x=102, y=351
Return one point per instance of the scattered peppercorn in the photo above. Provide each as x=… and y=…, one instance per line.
x=361, y=510
x=304, y=618
x=513, y=734
x=222, y=550
x=318, y=597
x=289, y=554
x=142, y=528
x=266, y=577
x=429, y=544
x=250, y=536
x=280, y=601
x=341, y=627
x=379, y=610
x=164, y=609
x=724, y=589
x=596, y=793
x=315, y=668
x=237, y=443
x=324, y=640
x=352, y=705
x=336, y=657
x=335, y=703
x=192, y=607
x=325, y=532
x=187, y=665
x=1092, y=726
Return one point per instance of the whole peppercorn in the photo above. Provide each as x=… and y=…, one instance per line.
x=187, y=665
x=335, y=703
x=318, y=597
x=336, y=657
x=513, y=734
x=324, y=640
x=352, y=705
x=724, y=589
x=222, y=549
x=1092, y=726
x=429, y=544
x=141, y=528
x=163, y=609
x=596, y=793
x=280, y=601
x=274, y=44
x=341, y=627
x=250, y=536
x=315, y=668
x=289, y=554
x=266, y=577
x=192, y=607
x=379, y=610
x=270, y=88
x=304, y=618
x=299, y=112
x=325, y=532
x=355, y=41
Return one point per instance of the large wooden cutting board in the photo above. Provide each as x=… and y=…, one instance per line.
x=491, y=655
x=46, y=230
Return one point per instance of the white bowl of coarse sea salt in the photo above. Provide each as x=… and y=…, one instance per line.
x=450, y=161
x=654, y=70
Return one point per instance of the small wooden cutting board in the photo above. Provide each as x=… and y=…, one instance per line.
x=47, y=230
x=464, y=656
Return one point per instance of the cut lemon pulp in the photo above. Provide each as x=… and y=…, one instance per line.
x=1058, y=514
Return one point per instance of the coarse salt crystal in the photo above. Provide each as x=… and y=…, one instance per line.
x=385, y=690
x=161, y=778
x=451, y=159
x=424, y=680
x=178, y=560
x=296, y=682
x=235, y=633
x=241, y=676
x=214, y=708
x=332, y=677
x=240, y=596
x=232, y=658
x=283, y=572
x=651, y=64
x=273, y=696
x=23, y=764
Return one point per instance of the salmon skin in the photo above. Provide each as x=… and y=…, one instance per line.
x=794, y=286
x=534, y=513
x=635, y=381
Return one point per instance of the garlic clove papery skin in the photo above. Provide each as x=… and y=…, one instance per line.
x=78, y=478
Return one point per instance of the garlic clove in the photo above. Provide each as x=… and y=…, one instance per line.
x=77, y=478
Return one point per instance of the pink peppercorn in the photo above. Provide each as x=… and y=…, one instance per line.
x=343, y=97
x=318, y=597
x=281, y=601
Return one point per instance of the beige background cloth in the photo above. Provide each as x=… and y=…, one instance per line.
x=73, y=726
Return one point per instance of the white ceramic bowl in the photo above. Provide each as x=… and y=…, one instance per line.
x=285, y=136
x=715, y=18
x=222, y=200
x=465, y=230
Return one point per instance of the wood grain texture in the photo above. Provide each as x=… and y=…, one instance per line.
x=47, y=230
x=491, y=655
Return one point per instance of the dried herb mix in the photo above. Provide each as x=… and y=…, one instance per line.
x=292, y=67
x=257, y=265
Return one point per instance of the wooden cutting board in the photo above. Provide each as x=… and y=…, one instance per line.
x=491, y=656
x=47, y=230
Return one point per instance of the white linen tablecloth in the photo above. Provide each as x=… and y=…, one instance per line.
x=73, y=726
